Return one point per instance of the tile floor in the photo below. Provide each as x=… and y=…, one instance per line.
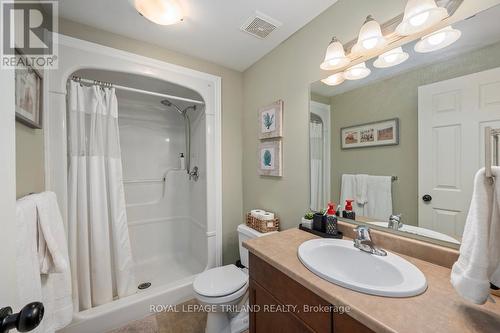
x=168, y=322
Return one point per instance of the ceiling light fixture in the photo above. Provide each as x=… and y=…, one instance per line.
x=420, y=15
x=370, y=37
x=438, y=40
x=162, y=12
x=391, y=58
x=335, y=56
x=334, y=79
x=357, y=72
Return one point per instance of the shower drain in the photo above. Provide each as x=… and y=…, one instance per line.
x=144, y=285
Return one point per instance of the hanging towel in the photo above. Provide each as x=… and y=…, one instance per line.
x=361, y=189
x=479, y=260
x=379, y=198
x=348, y=192
x=28, y=277
x=52, y=245
x=53, y=260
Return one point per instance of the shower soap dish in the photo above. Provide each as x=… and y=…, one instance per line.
x=263, y=225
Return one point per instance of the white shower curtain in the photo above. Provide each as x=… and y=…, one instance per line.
x=99, y=244
x=318, y=195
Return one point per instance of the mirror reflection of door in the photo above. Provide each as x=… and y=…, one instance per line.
x=319, y=150
x=452, y=117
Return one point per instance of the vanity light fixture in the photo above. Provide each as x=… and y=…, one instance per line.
x=438, y=40
x=334, y=79
x=335, y=56
x=420, y=15
x=162, y=12
x=370, y=37
x=357, y=72
x=391, y=58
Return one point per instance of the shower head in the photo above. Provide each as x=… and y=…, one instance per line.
x=168, y=103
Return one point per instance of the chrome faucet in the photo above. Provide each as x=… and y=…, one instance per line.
x=395, y=222
x=363, y=241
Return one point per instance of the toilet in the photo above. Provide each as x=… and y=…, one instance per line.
x=223, y=288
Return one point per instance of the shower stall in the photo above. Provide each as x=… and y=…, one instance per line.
x=172, y=206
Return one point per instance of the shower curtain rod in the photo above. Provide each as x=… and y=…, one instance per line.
x=146, y=92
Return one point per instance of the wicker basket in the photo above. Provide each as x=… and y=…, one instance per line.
x=262, y=225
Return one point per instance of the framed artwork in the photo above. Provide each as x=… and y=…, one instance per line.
x=28, y=91
x=380, y=133
x=270, y=159
x=271, y=121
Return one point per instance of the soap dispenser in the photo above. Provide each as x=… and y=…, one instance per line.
x=348, y=213
x=331, y=220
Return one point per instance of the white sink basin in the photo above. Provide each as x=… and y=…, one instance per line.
x=339, y=262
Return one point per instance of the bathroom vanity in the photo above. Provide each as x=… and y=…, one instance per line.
x=288, y=297
x=285, y=305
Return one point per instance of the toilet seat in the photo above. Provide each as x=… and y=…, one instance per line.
x=228, y=299
x=221, y=284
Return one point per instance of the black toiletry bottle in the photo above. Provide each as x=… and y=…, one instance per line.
x=348, y=213
x=319, y=222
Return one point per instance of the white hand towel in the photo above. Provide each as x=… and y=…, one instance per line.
x=379, y=194
x=348, y=192
x=479, y=260
x=52, y=245
x=28, y=277
x=361, y=189
x=54, y=260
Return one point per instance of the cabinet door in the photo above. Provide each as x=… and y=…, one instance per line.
x=276, y=322
x=343, y=323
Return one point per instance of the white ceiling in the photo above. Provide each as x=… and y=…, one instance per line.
x=478, y=31
x=211, y=29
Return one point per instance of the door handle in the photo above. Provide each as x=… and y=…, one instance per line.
x=427, y=198
x=24, y=321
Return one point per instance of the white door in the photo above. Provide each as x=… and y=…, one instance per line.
x=8, y=287
x=452, y=116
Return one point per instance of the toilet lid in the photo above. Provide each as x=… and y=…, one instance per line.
x=220, y=281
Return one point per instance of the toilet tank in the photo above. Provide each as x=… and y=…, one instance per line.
x=245, y=233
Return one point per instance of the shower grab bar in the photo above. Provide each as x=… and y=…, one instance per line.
x=490, y=133
x=134, y=181
x=152, y=180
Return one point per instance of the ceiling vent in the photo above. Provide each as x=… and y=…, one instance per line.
x=260, y=25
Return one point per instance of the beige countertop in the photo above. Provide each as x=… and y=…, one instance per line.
x=439, y=309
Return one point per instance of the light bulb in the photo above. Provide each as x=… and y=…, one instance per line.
x=370, y=37
x=438, y=40
x=420, y=15
x=357, y=72
x=335, y=56
x=391, y=58
x=334, y=79
x=419, y=19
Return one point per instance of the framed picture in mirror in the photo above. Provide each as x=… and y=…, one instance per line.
x=380, y=133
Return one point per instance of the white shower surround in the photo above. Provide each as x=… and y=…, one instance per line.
x=75, y=55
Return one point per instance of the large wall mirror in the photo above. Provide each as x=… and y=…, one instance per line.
x=405, y=142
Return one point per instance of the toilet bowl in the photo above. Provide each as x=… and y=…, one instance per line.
x=224, y=290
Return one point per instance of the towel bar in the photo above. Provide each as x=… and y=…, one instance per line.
x=489, y=134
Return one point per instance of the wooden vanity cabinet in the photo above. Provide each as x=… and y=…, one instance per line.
x=286, y=306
